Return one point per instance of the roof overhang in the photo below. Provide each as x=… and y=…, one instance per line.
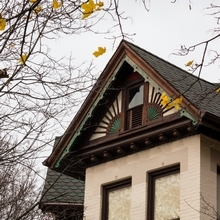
x=188, y=121
x=123, y=53
x=61, y=208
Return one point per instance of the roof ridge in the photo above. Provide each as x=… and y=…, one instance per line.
x=189, y=74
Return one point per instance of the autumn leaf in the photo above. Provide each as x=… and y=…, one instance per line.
x=217, y=90
x=189, y=63
x=33, y=1
x=56, y=4
x=164, y=99
x=37, y=9
x=89, y=7
x=100, y=4
x=168, y=103
x=100, y=51
x=2, y=23
x=175, y=103
x=23, y=58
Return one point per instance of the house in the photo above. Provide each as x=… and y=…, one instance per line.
x=145, y=142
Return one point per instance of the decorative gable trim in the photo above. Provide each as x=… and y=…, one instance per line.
x=123, y=54
x=89, y=113
x=158, y=88
x=111, y=122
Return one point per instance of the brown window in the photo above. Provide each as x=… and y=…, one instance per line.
x=142, y=104
x=164, y=194
x=116, y=200
x=135, y=101
x=135, y=96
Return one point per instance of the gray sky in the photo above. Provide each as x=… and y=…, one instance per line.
x=160, y=31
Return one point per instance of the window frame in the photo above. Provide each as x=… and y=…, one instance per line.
x=152, y=176
x=106, y=188
x=127, y=122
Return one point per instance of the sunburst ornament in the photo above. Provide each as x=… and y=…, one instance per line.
x=111, y=122
x=115, y=125
x=154, y=111
x=160, y=104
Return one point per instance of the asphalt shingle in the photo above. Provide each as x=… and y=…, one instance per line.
x=60, y=188
x=199, y=92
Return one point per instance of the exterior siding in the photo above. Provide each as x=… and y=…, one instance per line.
x=196, y=176
x=210, y=159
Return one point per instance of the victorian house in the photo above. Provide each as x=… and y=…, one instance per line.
x=144, y=145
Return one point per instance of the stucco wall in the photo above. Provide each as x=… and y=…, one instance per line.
x=185, y=151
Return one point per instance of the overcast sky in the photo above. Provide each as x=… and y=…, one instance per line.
x=160, y=31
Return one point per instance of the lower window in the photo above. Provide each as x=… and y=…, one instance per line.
x=116, y=200
x=164, y=194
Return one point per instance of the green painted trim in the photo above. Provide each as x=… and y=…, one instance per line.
x=115, y=126
x=152, y=113
x=89, y=114
x=146, y=77
x=185, y=113
x=101, y=95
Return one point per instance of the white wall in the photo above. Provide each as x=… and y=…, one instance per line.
x=192, y=181
x=210, y=159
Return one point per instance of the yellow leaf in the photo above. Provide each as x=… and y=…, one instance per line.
x=166, y=102
x=189, y=63
x=87, y=14
x=56, y=4
x=37, y=9
x=90, y=7
x=2, y=23
x=217, y=90
x=33, y=1
x=164, y=99
x=177, y=107
x=23, y=58
x=100, y=4
x=100, y=51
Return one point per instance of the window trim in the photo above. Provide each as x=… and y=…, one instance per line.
x=106, y=188
x=127, y=117
x=152, y=176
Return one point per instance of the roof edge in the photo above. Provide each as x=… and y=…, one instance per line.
x=106, y=73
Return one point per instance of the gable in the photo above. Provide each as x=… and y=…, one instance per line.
x=136, y=100
x=110, y=125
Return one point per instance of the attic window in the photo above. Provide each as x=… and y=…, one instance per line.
x=135, y=96
x=135, y=100
x=137, y=103
x=143, y=104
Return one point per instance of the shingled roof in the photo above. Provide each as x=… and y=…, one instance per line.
x=199, y=92
x=199, y=114
x=61, y=189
